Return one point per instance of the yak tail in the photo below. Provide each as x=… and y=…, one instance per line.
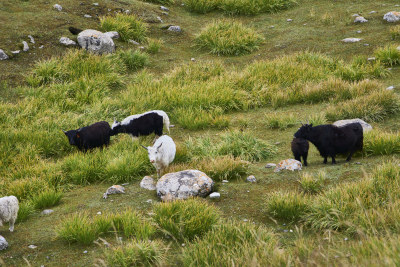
x=166, y=121
x=74, y=30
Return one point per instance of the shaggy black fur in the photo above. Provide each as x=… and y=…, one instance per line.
x=74, y=30
x=143, y=125
x=89, y=137
x=300, y=148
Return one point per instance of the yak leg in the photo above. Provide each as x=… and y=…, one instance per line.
x=297, y=157
x=350, y=155
x=11, y=223
x=333, y=160
x=325, y=160
x=305, y=158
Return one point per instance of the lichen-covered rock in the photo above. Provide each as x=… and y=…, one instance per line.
x=366, y=127
x=148, y=183
x=58, y=7
x=251, y=179
x=67, y=42
x=96, y=42
x=351, y=40
x=174, y=29
x=115, y=189
x=184, y=184
x=288, y=164
x=112, y=35
x=392, y=16
x=3, y=55
x=26, y=46
x=360, y=19
x=3, y=243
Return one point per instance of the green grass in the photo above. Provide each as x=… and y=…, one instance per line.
x=129, y=27
x=201, y=6
x=395, y=32
x=289, y=206
x=78, y=228
x=162, y=2
x=312, y=185
x=228, y=38
x=281, y=121
x=154, y=45
x=381, y=143
x=134, y=60
x=25, y=211
x=388, y=55
x=47, y=199
x=185, y=220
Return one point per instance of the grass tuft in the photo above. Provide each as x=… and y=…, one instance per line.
x=290, y=206
x=133, y=60
x=381, y=143
x=312, y=185
x=47, y=199
x=129, y=27
x=388, y=55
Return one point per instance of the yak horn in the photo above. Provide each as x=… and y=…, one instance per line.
x=144, y=147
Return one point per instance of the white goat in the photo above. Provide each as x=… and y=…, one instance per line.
x=9, y=211
x=162, y=153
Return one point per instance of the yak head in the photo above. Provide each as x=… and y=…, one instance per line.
x=73, y=137
x=154, y=153
x=303, y=131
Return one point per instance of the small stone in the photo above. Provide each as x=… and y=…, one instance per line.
x=215, y=195
x=47, y=212
x=251, y=179
x=26, y=46
x=87, y=16
x=336, y=256
x=183, y=244
x=390, y=87
x=398, y=48
x=109, y=10
x=67, y=42
x=40, y=47
x=277, y=143
x=15, y=52
x=85, y=252
x=358, y=163
x=174, y=29
x=285, y=231
x=133, y=42
x=291, y=230
x=225, y=181
x=115, y=189
x=3, y=55
x=272, y=26
x=125, y=184
x=345, y=239
x=149, y=201
x=120, y=238
x=32, y=246
x=270, y=165
x=163, y=8
x=58, y=7
x=372, y=12
x=32, y=40
x=351, y=40
x=160, y=20
x=358, y=31
x=183, y=4
x=360, y=19
x=289, y=20
x=284, y=224
x=142, y=48
x=127, y=11
x=371, y=59
x=304, y=24
x=366, y=44
x=396, y=5
x=193, y=59
x=3, y=243
x=355, y=15
x=165, y=13
x=245, y=220
x=95, y=4
x=98, y=213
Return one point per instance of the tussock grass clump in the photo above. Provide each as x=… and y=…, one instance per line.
x=395, y=32
x=310, y=184
x=317, y=119
x=25, y=211
x=201, y=6
x=78, y=228
x=128, y=26
x=198, y=118
x=281, y=121
x=185, y=220
x=132, y=224
x=388, y=55
x=47, y=199
x=154, y=45
x=228, y=38
x=289, y=206
x=162, y=2
x=381, y=143
x=136, y=253
x=133, y=59
x=233, y=243
x=374, y=107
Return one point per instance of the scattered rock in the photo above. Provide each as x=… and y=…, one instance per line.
x=225, y=181
x=115, y=189
x=272, y=26
x=142, y=48
x=40, y=47
x=87, y=16
x=355, y=15
x=96, y=42
x=85, y=252
x=112, y=35
x=149, y=201
x=26, y=46
x=366, y=127
x=351, y=40
x=390, y=87
x=277, y=143
x=289, y=20
x=245, y=220
x=345, y=239
x=133, y=42
x=127, y=11
x=31, y=38
x=160, y=20
x=3, y=243
x=270, y=165
x=358, y=163
x=174, y=29
x=98, y=213
x=3, y=55
x=184, y=184
x=15, y=52
x=193, y=59
x=372, y=12
x=288, y=164
x=371, y=59
x=392, y=16
x=95, y=4
x=32, y=246
x=251, y=179
x=148, y=183
x=398, y=48
x=67, y=42
x=215, y=195
x=125, y=184
x=163, y=8
x=47, y=212
x=358, y=31
x=58, y=7
x=165, y=13
x=360, y=19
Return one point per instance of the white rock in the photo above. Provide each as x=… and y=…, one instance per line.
x=98, y=213
x=148, y=183
x=58, y=7
x=160, y=20
x=288, y=164
x=270, y=165
x=225, y=181
x=366, y=127
x=112, y=35
x=184, y=184
x=392, y=16
x=358, y=31
x=40, y=47
x=351, y=40
x=47, y=212
x=67, y=42
x=87, y=16
x=360, y=19
x=251, y=179
x=32, y=246
x=371, y=59
x=26, y=46
x=3, y=55
x=85, y=252
x=95, y=4
x=272, y=26
x=15, y=52
x=32, y=40
x=390, y=87
x=174, y=29
x=215, y=195
x=96, y=42
x=115, y=189
x=149, y=201
x=366, y=44
x=127, y=11
x=289, y=20
x=3, y=243
x=398, y=48
x=305, y=24
x=163, y=8
x=133, y=42
x=372, y=12
x=355, y=15
x=193, y=59
x=165, y=13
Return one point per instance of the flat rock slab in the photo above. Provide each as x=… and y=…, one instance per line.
x=366, y=127
x=96, y=42
x=351, y=40
x=184, y=184
x=288, y=164
x=115, y=189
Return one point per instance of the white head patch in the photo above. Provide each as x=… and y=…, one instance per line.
x=115, y=124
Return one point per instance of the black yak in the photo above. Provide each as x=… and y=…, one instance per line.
x=300, y=148
x=89, y=137
x=331, y=140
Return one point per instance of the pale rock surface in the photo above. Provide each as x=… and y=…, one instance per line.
x=3, y=55
x=148, y=183
x=351, y=40
x=366, y=127
x=96, y=42
x=3, y=243
x=392, y=16
x=115, y=189
x=67, y=42
x=288, y=164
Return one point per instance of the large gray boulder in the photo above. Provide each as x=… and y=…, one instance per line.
x=366, y=127
x=3, y=243
x=392, y=16
x=184, y=184
x=96, y=42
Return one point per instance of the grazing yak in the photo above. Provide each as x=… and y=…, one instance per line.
x=300, y=148
x=89, y=137
x=331, y=140
x=142, y=124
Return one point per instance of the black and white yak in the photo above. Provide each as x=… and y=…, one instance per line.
x=331, y=140
x=89, y=137
x=142, y=124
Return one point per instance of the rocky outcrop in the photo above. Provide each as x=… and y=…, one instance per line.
x=366, y=127
x=96, y=42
